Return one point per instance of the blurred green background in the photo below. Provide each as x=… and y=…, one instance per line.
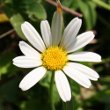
x=95, y=16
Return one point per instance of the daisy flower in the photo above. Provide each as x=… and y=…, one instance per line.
x=56, y=51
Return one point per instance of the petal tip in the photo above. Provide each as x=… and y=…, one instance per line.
x=88, y=86
x=78, y=19
x=13, y=60
x=92, y=33
x=24, y=23
x=100, y=60
x=97, y=79
x=22, y=88
x=44, y=21
x=22, y=26
x=67, y=100
x=21, y=42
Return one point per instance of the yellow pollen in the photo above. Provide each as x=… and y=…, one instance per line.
x=54, y=58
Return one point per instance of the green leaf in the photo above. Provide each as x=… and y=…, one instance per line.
x=88, y=10
x=37, y=98
x=35, y=104
x=103, y=96
x=9, y=90
x=102, y=4
x=74, y=4
x=33, y=8
x=6, y=64
x=67, y=3
x=36, y=11
x=8, y=1
x=16, y=21
x=93, y=13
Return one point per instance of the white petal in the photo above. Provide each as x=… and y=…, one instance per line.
x=46, y=32
x=32, y=78
x=90, y=73
x=70, y=32
x=28, y=50
x=85, y=57
x=33, y=36
x=81, y=40
x=56, y=28
x=26, y=62
x=62, y=85
x=77, y=75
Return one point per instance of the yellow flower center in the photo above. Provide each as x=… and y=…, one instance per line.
x=54, y=58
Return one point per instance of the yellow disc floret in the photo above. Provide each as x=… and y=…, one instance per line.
x=54, y=58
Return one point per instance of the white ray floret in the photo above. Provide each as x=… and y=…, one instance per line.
x=88, y=72
x=33, y=36
x=32, y=78
x=62, y=85
x=77, y=75
x=70, y=32
x=85, y=57
x=46, y=32
x=27, y=62
x=56, y=28
x=27, y=50
x=81, y=41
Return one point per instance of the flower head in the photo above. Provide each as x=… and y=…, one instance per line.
x=56, y=51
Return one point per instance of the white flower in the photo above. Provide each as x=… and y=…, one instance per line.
x=56, y=54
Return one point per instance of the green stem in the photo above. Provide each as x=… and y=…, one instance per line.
x=51, y=91
x=68, y=105
x=64, y=106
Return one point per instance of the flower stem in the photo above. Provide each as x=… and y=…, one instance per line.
x=51, y=91
x=67, y=105
x=64, y=105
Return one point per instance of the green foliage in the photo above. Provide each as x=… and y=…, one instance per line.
x=32, y=8
x=96, y=16
x=102, y=4
x=9, y=90
x=35, y=11
x=6, y=64
x=16, y=20
x=89, y=13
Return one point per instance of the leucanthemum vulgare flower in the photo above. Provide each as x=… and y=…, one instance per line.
x=56, y=51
